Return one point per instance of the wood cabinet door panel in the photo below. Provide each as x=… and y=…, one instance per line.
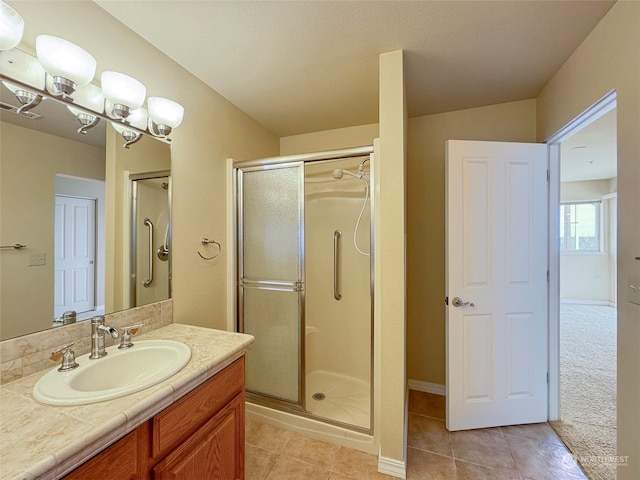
x=124, y=460
x=181, y=419
x=214, y=452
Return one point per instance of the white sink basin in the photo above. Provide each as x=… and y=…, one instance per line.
x=119, y=373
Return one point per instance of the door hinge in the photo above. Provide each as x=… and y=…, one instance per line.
x=548, y=176
x=446, y=300
x=547, y=276
x=547, y=378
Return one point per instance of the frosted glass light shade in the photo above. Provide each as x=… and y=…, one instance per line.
x=121, y=89
x=61, y=58
x=11, y=27
x=138, y=119
x=90, y=96
x=165, y=112
x=13, y=88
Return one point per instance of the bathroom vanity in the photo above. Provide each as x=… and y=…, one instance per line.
x=189, y=426
x=200, y=436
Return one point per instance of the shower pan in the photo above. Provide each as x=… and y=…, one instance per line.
x=150, y=270
x=305, y=289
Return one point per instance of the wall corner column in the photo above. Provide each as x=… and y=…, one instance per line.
x=390, y=265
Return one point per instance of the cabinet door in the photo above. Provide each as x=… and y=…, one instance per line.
x=214, y=452
x=124, y=460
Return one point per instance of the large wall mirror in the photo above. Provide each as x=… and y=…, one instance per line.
x=94, y=218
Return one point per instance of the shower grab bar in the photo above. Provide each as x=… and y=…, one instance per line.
x=148, y=281
x=336, y=265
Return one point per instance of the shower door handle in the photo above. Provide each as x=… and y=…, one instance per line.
x=148, y=281
x=336, y=265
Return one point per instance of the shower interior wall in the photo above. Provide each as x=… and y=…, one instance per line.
x=338, y=332
x=152, y=202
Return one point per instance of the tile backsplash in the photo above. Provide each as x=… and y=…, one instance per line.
x=29, y=354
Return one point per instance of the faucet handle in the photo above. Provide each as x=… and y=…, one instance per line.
x=68, y=358
x=127, y=333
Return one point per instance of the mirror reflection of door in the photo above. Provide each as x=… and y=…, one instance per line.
x=150, y=239
x=75, y=254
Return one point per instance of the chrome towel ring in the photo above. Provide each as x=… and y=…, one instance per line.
x=205, y=241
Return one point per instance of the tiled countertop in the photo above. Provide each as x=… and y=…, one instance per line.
x=47, y=442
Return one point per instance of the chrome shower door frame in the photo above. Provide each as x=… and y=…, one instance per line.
x=133, y=248
x=279, y=162
x=294, y=285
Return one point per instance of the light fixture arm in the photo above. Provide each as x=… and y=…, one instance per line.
x=33, y=102
x=131, y=138
x=60, y=87
x=159, y=131
x=86, y=123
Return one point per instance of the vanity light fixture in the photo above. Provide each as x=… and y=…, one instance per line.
x=124, y=94
x=86, y=119
x=67, y=65
x=27, y=98
x=11, y=27
x=63, y=68
x=137, y=119
x=24, y=72
x=91, y=98
x=164, y=115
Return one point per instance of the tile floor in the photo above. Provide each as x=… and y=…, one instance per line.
x=522, y=452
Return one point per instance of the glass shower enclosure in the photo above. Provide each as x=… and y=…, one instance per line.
x=304, y=289
x=150, y=266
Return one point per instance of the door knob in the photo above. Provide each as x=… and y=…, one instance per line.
x=457, y=302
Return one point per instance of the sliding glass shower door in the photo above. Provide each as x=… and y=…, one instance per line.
x=271, y=278
x=305, y=288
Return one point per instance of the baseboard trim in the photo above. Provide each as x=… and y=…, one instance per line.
x=427, y=387
x=394, y=468
x=571, y=301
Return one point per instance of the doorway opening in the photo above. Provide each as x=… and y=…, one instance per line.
x=583, y=289
x=79, y=249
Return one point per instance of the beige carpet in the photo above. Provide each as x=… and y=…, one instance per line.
x=588, y=387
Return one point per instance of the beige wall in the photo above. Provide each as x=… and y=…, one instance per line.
x=29, y=161
x=390, y=255
x=609, y=58
x=513, y=122
x=339, y=138
x=338, y=337
x=587, y=276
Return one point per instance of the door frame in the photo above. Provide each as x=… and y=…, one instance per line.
x=607, y=103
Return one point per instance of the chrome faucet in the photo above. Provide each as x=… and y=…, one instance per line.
x=98, y=329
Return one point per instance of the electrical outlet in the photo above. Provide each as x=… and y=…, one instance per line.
x=37, y=259
x=633, y=291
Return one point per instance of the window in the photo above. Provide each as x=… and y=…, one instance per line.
x=580, y=227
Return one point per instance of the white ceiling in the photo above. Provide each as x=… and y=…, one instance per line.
x=305, y=66
x=591, y=153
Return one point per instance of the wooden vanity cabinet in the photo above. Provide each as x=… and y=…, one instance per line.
x=201, y=436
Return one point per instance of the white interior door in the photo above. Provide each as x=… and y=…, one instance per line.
x=497, y=316
x=75, y=238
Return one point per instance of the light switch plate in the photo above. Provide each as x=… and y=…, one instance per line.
x=37, y=259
